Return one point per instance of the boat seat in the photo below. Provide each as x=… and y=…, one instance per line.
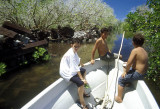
x=69, y=97
x=94, y=78
x=131, y=99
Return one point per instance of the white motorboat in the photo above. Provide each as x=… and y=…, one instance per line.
x=102, y=79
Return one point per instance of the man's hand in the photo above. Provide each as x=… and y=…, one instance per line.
x=92, y=61
x=85, y=82
x=82, y=65
x=124, y=74
x=124, y=64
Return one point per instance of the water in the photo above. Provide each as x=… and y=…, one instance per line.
x=126, y=47
x=21, y=86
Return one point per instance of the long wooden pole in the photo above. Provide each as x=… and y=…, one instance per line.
x=117, y=70
x=107, y=89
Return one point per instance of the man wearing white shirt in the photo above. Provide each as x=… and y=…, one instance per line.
x=70, y=70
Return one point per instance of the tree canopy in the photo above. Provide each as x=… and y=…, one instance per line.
x=44, y=14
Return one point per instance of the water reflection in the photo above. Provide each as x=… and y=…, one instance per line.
x=126, y=47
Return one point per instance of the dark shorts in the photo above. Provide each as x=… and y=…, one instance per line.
x=131, y=76
x=109, y=56
x=75, y=79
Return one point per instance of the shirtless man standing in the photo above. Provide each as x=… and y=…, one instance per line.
x=101, y=45
x=136, y=66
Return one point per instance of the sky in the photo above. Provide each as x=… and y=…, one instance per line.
x=123, y=7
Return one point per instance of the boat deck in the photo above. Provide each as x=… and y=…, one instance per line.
x=131, y=98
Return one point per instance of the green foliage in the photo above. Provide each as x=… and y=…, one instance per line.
x=35, y=55
x=136, y=20
x=46, y=57
x=41, y=51
x=147, y=21
x=2, y=68
x=41, y=54
x=24, y=63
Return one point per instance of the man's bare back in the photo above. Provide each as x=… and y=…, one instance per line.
x=141, y=60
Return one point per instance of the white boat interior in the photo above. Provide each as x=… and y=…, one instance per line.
x=101, y=78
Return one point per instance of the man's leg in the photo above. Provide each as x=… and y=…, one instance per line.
x=80, y=85
x=121, y=85
x=80, y=93
x=83, y=72
x=131, y=76
x=120, y=93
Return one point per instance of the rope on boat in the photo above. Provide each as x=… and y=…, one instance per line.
x=106, y=98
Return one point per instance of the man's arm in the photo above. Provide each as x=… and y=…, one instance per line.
x=81, y=77
x=93, y=51
x=108, y=48
x=129, y=62
x=134, y=65
x=81, y=64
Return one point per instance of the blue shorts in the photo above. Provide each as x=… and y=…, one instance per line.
x=109, y=56
x=131, y=76
x=75, y=79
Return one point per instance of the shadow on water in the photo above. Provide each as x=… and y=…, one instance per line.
x=21, y=86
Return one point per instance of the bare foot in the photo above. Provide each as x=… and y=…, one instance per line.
x=84, y=107
x=118, y=99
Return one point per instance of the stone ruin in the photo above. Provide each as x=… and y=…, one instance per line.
x=18, y=43
x=65, y=34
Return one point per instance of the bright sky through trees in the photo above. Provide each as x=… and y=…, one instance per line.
x=123, y=7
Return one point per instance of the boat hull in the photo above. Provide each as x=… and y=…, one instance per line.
x=102, y=79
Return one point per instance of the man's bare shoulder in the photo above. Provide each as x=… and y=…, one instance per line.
x=139, y=49
x=133, y=50
x=98, y=41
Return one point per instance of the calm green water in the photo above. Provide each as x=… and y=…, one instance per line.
x=21, y=86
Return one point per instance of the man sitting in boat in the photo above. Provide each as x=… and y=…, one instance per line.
x=103, y=50
x=136, y=66
x=70, y=70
